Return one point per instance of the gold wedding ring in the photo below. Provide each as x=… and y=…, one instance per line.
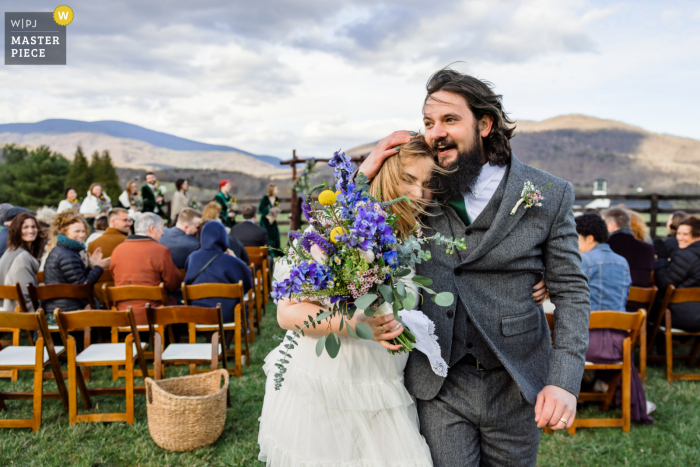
x=382, y=328
x=563, y=420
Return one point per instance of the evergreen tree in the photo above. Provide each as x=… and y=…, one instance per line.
x=79, y=176
x=104, y=173
x=32, y=178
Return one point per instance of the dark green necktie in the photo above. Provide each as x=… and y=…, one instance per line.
x=460, y=208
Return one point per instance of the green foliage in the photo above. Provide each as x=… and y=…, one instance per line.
x=79, y=176
x=32, y=178
x=102, y=171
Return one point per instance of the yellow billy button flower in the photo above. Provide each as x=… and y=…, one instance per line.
x=327, y=198
x=337, y=232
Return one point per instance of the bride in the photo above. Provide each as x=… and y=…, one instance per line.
x=354, y=411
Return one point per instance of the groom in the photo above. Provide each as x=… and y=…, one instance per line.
x=506, y=379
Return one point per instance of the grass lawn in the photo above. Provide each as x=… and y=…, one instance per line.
x=673, y=440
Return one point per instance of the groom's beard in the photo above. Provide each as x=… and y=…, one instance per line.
x=463, y=174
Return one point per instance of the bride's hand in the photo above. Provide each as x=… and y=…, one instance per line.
x=385, y=148
x=380, y=335
x=540, y=292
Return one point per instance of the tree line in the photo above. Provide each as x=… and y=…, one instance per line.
x=39, y=177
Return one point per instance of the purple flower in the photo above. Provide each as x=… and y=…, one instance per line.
x=311, y=238
x=391, y=257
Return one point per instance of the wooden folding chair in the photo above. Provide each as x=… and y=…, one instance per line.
x=42, y=293
x=105, y=278
x=114, y=295
x=40, y=277
x=675, y=296
x=125, y=353
x=646, y=296
x=34, y=358
x=201, y=291
x=192, y=353
x=13, y=292
x=258, y=266
x=253, y=253
x=630, y=322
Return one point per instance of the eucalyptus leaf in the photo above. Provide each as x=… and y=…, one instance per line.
x=333, y=345
x=365, y=301
x=321, y=316
x=319, y=345
x=409, y=302
x=351, y=332
x=401, y=289
x=340, y=328
x=444, y=299
x=402, y=273
x=396, y=306
x=387, y=293
x=422, y=280
x=370, y=311
x=364, y=331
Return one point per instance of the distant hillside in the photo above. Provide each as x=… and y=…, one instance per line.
x=137, y=147
x=581, y=149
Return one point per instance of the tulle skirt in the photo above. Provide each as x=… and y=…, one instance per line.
x=351, y=411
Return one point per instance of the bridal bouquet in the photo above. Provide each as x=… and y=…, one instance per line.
x=350, y=259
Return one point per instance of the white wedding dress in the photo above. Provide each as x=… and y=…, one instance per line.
x=351, y=411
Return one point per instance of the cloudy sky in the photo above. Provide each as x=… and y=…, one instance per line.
x=317, y=75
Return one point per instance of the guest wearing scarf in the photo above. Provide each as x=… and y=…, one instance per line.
x=70, y=203
x=224, y=269
x=226, y=201
x=68, y=263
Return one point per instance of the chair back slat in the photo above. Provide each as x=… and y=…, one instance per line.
x=200, y=291
x=14, y=292
x=622, y=320
x=23, y=321
x=49, y=292
x=114, y=295
x=691, y=294
x=40, y=277
x=73, y=320
x=257, y=250
x=257, y=259
x=167, y=315
x=642, y=294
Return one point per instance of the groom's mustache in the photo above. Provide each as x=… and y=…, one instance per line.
x=444, y=143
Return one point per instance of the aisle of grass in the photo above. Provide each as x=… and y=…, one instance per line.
x=673, y=440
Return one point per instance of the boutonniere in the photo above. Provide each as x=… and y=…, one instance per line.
x=531, y=196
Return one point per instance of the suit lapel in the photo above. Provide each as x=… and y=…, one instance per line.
x=503, y=222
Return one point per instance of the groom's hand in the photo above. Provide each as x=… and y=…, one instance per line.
x=553, y=404
x=385, y=148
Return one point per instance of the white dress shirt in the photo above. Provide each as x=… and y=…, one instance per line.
x=485, y=187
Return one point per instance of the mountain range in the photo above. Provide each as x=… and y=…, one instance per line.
x=581, y=149
x=133, y=146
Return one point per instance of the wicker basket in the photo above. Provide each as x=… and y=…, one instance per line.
x=187, y=413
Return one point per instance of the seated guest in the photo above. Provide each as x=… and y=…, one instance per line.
x=180, y=199
x=609, y=281
x=639, y=255
x=95, y=204
x=141, y=260
x=247, y=232
x=8, y=214
x=667, y=247
x=100, y=226
x=238, y=248
x=639, y=226
x=64, y=264
x=211, y=212
x=20, y=263
x=224, y=269
x=70, y=203
x=683, y=271
x=117, y=231
x=182, y=240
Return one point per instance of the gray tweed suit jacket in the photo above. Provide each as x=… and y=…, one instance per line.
x=505, y=257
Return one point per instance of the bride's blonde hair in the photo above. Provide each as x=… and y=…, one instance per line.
x=386, y=185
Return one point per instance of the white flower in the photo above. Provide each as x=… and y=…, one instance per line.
x=368, y=256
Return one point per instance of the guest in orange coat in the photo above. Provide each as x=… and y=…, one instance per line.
x=141, y=260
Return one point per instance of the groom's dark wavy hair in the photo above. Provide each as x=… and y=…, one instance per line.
x=481, y=101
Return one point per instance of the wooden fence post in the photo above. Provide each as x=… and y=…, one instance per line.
x=653, y=214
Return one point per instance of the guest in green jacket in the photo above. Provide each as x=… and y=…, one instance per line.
x=152, y=195
x=227, y=203
x=269, y=210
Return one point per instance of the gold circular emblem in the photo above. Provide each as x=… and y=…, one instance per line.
x=63, y=15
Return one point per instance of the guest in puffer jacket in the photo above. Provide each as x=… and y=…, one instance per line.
x=683, y=271
x=224, y=269
x=65, y=263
